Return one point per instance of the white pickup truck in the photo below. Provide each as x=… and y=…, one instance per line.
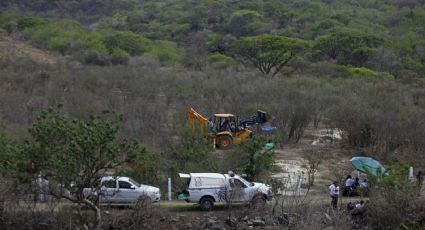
x=122, y=190
x=208, y=188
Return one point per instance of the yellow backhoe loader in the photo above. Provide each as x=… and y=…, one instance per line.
x=224, y=129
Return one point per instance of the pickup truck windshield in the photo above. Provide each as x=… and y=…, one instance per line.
x=246, y=182
x=134, y=182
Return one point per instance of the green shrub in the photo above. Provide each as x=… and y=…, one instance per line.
x=241, y=22
x=96, y=58
x=413, y=64
x=132, y=43
x=362, y=72
x=220, y=61
x=41, y=35
x=119, y=56
x=166, y=53
x=214, y=43
x=67, y=42
x=93, y=42
x=28, y=22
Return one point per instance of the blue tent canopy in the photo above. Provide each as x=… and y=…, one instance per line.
x=368, y=165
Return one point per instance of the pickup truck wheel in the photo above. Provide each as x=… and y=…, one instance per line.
x=144, y=202
x=224, y=142
x=143, y=207
x=206, y=204
x=258, y=201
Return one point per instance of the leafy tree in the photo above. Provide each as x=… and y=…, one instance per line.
x=132, y=43
x=347, y=47
x=392, y=193
x=74, y=154
x=144, y=166
x=9, y=155
x=220, y=61
x=119, y=56
x=269, y=54
x=192, y=153
x=252, y=159
x=215, y=43
x=165, y=52
x=241, y=22
x=322, y=27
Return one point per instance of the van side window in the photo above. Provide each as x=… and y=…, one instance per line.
x=235, y=183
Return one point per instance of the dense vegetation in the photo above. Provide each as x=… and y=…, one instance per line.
x=383, y=36
x=357, y=66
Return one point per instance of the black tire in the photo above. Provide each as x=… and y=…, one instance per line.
x=206, y=204
x=143, y=207
x=224, y=142
x=144, y=201
x=258, y=201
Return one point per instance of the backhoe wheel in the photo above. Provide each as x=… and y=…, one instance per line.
x=224, y=142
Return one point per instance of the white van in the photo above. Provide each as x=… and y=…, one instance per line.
x=208, y=188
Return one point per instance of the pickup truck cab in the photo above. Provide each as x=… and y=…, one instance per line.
x=122, y=190
x=209, y=188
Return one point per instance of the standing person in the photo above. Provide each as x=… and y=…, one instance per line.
x=356, y=182
x=210, y=125
x=39, y=188
x=349, y=182
x=420, y=178
x=348, y=188
x=364, y=184
x=45, y=188
x=334, y=193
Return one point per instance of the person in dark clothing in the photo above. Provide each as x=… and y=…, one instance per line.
x=225, y=126
x=356, y=183
x=420, y=178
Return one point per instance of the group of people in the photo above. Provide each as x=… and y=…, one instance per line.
x=352, y=185
x=357, y=205
x=350, y=188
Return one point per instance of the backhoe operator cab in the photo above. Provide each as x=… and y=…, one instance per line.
x=206, y=189
x=224, y=129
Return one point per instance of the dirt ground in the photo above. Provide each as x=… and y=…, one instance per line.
x=11, y=48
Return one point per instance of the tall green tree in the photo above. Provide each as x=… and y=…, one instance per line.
x=268, y=53
x=347, y=47
x=74, y=154
x=252, y=159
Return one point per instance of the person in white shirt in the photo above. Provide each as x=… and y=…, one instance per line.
x=360, y=204
x=334, y=193
x=349, y=182
x=364, y=184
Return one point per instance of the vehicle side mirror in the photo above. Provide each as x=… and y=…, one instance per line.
x=132, y=187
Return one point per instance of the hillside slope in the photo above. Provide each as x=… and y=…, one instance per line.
x=13, y=49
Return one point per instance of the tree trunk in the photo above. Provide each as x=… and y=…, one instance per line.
x=97, y=213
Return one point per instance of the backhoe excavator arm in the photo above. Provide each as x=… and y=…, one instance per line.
x=193, y=117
